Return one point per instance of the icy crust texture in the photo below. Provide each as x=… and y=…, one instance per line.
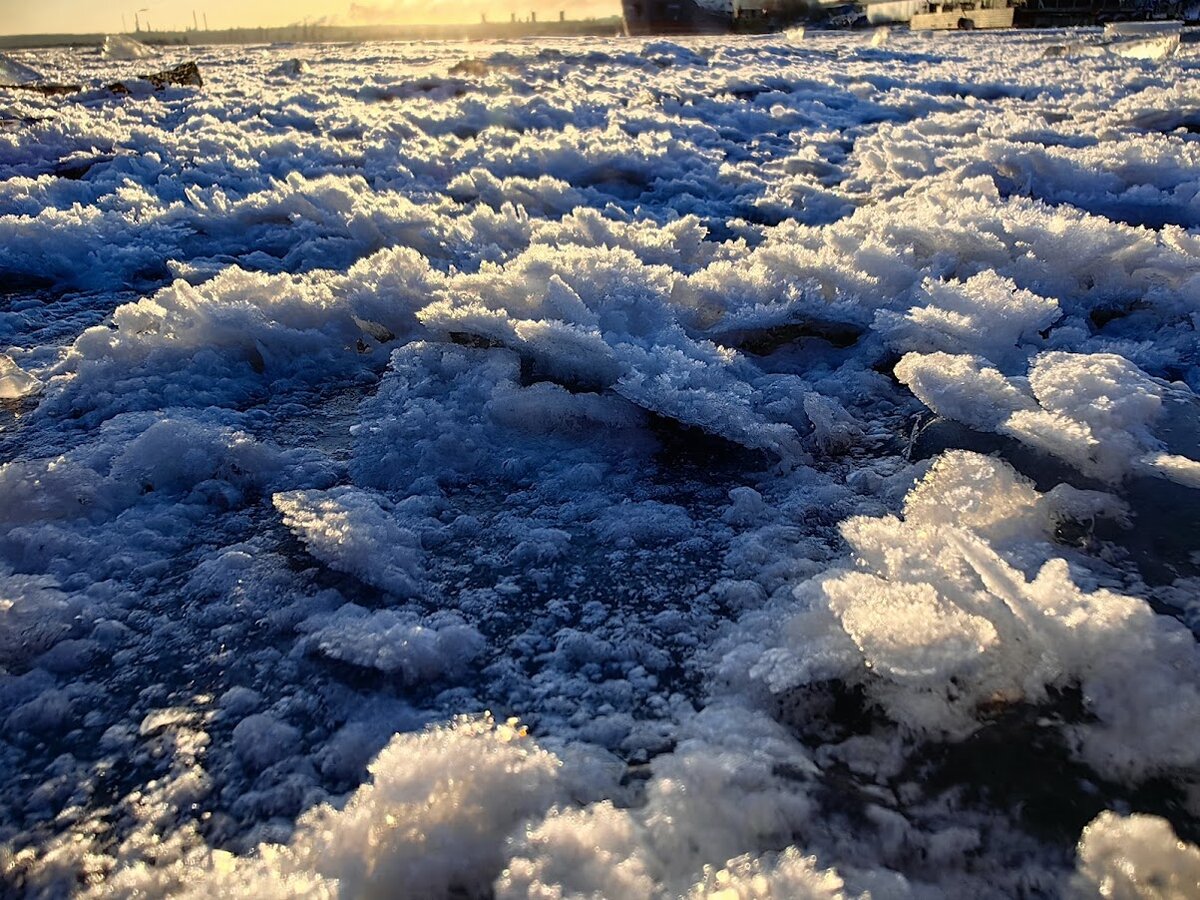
x=796, y=436
x=939, y=621
x=1096, y=411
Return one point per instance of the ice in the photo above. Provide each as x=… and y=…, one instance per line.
x=395, y=643
x=432, y=816
x=790, y=874
x=13, y=71
x=260, y=740
x=15, y=382
x=121, y=46
x=351, y=531
x=1097, y=411
x=986, y=314
x=34, y=615
x=1136, y=856
x=1152, y=48
x=640, y=389
x=938, y=622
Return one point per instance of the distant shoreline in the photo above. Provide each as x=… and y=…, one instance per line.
x=324, y=34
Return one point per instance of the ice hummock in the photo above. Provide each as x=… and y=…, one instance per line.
x=13, y=72
x=122, y=46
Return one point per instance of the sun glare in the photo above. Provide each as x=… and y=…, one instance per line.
x=173, y=16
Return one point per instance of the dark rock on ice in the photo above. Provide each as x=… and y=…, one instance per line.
x=183, y=75
x=49, y=90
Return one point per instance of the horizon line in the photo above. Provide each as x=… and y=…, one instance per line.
x=310, y=28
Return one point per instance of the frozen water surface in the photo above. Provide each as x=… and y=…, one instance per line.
x=603, y=468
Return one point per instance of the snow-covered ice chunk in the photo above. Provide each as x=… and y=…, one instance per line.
x=964, y=388
x=936, y=621
x=833, y=427
x=433, y=817
x=986, y=315
x=454, y=413
x=1136, y=857
x=601, y=318
x=351, y=531
x=1097, y=411
x=691, y=384
x=416, y=649
x=135, y=458
x=722, y=789
x=787, y=874
x=260, y=740
x=1141, y=29
x=291, y=68
x=595, y=851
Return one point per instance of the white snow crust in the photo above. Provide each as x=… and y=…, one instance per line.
x=746, y=467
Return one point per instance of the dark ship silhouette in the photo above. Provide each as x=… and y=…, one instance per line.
x=643, y=17
x=652, y=17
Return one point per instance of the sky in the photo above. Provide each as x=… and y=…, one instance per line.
x=86, y=16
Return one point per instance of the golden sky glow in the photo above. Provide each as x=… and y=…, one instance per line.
x=86, y=16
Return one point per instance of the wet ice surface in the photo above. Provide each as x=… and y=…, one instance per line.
x=797, y=436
